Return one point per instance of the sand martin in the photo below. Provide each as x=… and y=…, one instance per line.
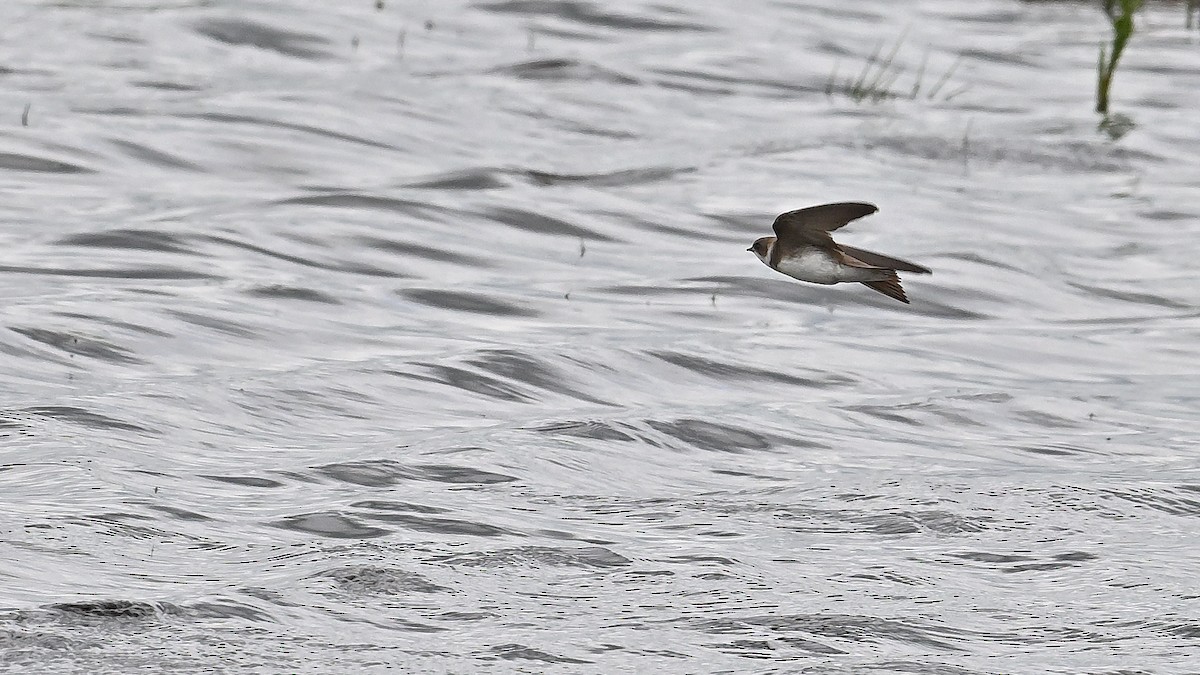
x=803, y=249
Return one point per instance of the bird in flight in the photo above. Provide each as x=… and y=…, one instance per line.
x=803, y=249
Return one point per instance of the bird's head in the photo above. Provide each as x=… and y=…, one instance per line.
x=762, y=249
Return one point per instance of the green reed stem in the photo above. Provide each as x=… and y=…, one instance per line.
x=1120, y=14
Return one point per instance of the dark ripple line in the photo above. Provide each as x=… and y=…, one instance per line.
x=463, y=301
x=164, y=85
x=227, y=610
x=180, y=514
x=280, y=124
x=911, y=522
x=593, y=429
x=376, y=580
x=726, y=371
x=565, y=70
x=1130, y=296
x=17, y=162
x=487, y=178
x=443, y=525
x=524, y=368
x=352, y=268
x=84, y=418
x=245, y=481
x=466, y=179
x=149, y=272
x=383, y=505
x=125, y=610
x=83, y=346
x=588, y=557
x=844, y=627
x=530, y=221
x=284, y=292
x=520, y=652
x=132, y=239
x=423, y=251
x=355, y=200
x=589, y=14
x=220, y=325
x=108, y=609
x=386, y=472
x=329, y=524
x=706, y=435
x=1066, y=156
x=1159, y=500
x=153, y=157
x=389, y=623
x=622, y=178
x=690, y=80
x=242, y=32
x=468, y=381
x=654, y=226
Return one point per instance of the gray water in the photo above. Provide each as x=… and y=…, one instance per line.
x=424, y=339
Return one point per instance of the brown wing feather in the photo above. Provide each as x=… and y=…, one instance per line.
x=813, y=224
x=889, y=287
x=880, y=260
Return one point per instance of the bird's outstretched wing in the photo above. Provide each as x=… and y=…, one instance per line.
x=812, y=225
x=881, y=260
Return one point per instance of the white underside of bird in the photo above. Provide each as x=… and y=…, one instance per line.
x=819, y=267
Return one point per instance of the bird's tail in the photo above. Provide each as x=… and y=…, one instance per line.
x=889, y=287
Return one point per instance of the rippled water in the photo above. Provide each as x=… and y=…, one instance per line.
x=423, y=338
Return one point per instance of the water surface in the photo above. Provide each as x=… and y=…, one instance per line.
x=423, y=338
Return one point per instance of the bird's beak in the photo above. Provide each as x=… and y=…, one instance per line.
x=751, y=249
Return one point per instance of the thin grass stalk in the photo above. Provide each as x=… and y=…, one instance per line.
x=856, y=87
x=945, y=78
x=1120, y=13
x=920, y=75
x=886, y=65
x=831, y=82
